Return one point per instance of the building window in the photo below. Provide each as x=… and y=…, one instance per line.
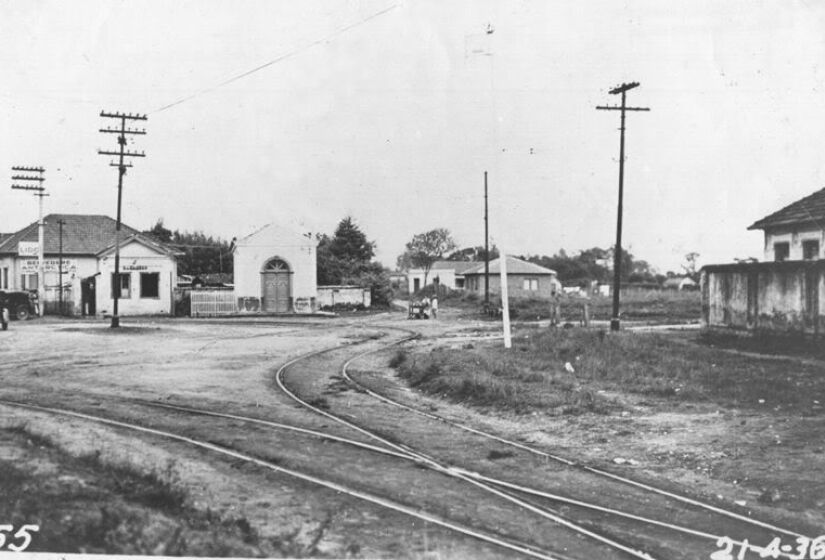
x=781, y=251
x=28, y=281
x=125, y=286
x=149, y=284
x=810, y=249
x=531, y=284
x=5, y=279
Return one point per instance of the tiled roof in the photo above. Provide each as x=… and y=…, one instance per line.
x=458, y=266
x=514, y=266
x=82, y=234
x=809, y=210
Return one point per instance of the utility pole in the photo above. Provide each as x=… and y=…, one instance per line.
x=617, y=253
x=60, y=224
x=34, y=183
x=121, y=165
x=486, y=248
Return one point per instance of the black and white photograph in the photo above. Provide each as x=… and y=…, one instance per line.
x=412, y=279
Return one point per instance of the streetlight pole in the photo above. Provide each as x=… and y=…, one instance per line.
x=617, y=252
x=35, y=183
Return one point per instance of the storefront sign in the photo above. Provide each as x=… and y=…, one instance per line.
x=31, y=266
x=28, y=249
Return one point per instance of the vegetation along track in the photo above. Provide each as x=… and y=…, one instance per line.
x=740, y=523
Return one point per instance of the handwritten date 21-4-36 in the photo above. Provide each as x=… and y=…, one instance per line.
x=803, y=549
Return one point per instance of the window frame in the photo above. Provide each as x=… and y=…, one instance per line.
x=123, y=275
x=806, y=244
x=786, y=246
x=157, y=285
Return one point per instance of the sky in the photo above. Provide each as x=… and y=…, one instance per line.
x=390, y=111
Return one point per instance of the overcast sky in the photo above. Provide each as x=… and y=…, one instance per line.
x=391, y=110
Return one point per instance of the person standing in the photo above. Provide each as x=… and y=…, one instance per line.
x=434, y=305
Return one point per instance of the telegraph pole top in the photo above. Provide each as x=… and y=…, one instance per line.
x=624, y=87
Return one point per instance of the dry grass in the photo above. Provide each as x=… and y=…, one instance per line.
x=535, y=374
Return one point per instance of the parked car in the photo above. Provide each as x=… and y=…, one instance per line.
x=21, y=305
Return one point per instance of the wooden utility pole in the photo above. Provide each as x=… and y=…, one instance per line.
x=121, y=164
x=486, y=248
x=35, y=183
x=617, y=253
x=60, y=224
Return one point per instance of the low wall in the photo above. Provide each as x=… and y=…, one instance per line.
x=331, y=296
x=784, y=296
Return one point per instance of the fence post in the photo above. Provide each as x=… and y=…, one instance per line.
x=586, y=314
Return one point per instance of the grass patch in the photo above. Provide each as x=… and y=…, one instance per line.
x=568, y=370
x=765, y=343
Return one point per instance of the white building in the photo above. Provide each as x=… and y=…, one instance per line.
x=448, y=273
x=796, y=232
x=87, y=246
x=275, y=271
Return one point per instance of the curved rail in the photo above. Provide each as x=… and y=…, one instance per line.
x=556, y=458
x=450, y=471
x=378, y=500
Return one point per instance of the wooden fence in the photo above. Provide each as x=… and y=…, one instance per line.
x=208, y=303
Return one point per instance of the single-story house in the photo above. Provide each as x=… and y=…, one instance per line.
x=275, y=271
x=447, y=273
x=148, y=269
x=524, y=279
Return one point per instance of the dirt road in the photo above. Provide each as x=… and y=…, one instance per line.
x=415, y=483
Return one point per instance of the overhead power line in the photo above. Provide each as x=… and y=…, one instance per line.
x=277, y=59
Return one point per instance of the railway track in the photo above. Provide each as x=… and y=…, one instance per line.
x=536, y=501
x=766, y=530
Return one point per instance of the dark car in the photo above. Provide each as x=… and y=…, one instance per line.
x=21, y=305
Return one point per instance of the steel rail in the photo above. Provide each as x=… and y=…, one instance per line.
x=415, y=459
x=557, y=458
x=435, y=465
x=378, y=500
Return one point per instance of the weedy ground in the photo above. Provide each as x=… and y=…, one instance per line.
x=572, y=371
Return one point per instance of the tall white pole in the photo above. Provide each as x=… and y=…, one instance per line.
x=505, y=304
x=41, y=277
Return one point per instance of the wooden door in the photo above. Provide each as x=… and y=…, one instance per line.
x=276, y=286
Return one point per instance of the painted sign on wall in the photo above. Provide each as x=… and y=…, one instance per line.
x=28, y=249
x=31, y=266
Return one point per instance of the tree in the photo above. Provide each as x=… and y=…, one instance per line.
x=426, y=248
x=473, y=254
x=202, y=254
x=344, y=254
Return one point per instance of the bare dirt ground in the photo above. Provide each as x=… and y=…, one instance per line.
x=763, y=463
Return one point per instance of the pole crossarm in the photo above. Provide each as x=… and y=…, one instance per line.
x=35, y=169
x=124, y=131
x=123, y=154
x=28, y=188
x=620, y=108
x=127, y=116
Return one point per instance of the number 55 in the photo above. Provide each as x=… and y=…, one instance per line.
x=23, y=533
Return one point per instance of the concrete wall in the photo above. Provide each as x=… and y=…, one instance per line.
x=330, y=296
x=547, y=285
x=135, y=259
x=794, y=237
x=446, y=277
x=782, y=297
x=251, y=255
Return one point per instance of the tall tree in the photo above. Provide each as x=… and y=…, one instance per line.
x=426, y=248
x=344, y=254
x=690, y=266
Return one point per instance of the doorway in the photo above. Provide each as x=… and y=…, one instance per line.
x=276, y=286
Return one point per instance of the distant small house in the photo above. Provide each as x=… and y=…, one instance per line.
x=680, y=283
x=524, y=279
x=797, y=231
x=446, y=273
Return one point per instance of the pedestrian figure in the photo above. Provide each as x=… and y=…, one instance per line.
x=425, y=307
x=434, y=305
x=4, y=317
